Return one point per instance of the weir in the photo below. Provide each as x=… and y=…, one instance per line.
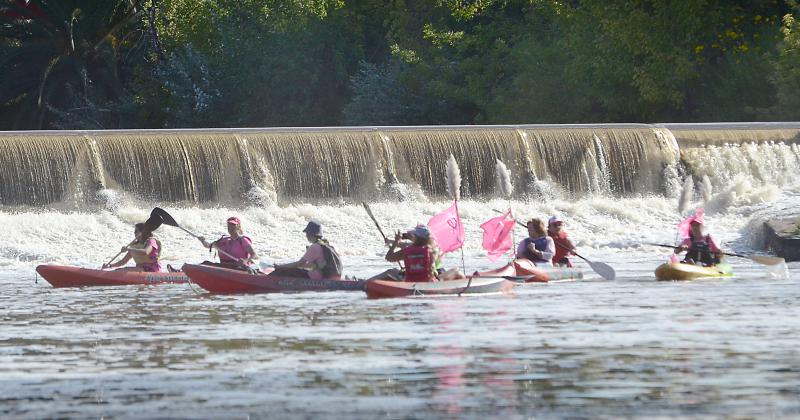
x=284, y=165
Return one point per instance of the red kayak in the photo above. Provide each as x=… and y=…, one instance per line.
x=493, y=281
x=63, y=276
x=528, y=272
x=226, y=280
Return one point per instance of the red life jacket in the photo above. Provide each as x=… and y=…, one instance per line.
x=563, y=247
x=419, y=263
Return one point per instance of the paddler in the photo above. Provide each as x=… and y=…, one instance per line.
x=145, y=250
x=321, y=261
x=236, y=245
x=563, y=246
x=700, y=248
x=537, y=247
x=419, y=256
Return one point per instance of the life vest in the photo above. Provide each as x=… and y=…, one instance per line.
x=700, y=251
x=154, y=256
x=540, y=244
x=232, y=246
x=563, y=247
x=333, y=263
x=419, y=263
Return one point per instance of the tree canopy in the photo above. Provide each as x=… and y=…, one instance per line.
x=77, y=64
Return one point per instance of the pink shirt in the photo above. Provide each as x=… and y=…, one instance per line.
x=236, y=247
x=316, y=256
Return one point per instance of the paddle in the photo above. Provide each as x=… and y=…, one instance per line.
x=169, y=220
x=604, y=270
x=761, y=259
x=372, y=216
x=152, y=223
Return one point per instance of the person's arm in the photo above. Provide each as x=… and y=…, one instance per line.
x=297, y=264
x=391, y=254
x=121, y=262
x=549, y=250
x=684, y=246
x=251, y=253
x=570, y=246
x=714, y=247
x=205, y=243
x=521, y=250
x=145, y=251
x=305, y=262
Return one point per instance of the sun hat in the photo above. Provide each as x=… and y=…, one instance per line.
x=313, y=228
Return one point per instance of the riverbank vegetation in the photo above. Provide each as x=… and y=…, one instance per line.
x=82, y=64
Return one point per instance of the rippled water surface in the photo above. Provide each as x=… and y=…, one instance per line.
x=632, y=347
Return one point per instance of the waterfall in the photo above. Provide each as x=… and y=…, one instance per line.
x=284, y=165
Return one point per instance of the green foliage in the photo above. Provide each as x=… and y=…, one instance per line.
x=787, y=64
x=381, y=98
x=52, y=51
x=83, y=64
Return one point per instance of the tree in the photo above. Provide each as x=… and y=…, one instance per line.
x=53, y=50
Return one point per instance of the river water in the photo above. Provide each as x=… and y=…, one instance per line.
x=631, y=347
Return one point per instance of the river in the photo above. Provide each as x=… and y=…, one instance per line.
x=631, y=347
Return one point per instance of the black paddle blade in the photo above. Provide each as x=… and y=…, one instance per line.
x=164, y=216
x=153, y=222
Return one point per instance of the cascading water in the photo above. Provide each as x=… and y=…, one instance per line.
x=295, y=165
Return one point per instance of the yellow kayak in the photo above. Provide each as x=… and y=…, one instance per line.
x=681, y=271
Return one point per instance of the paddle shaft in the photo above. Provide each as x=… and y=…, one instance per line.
x=198, y=237
x=372, y=216
x=118, y=254
x=114, y=257
x=730, y=254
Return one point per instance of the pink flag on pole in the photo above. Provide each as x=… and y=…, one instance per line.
x=497, y=235
x=447, y=229
x=686, y=225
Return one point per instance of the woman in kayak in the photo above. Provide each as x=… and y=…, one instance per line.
x=537, y=247
x=699, y=248
x=419, y=257
x=319, y=262
x=236, y=245
x=145, y=250
x=563, y=246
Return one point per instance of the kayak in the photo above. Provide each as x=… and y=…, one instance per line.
x=489, y=282
x=681, y=271
x=226, y=280
x=65, y=276
x=544, y=274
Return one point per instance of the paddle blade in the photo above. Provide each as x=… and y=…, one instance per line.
x=154, y=222
x=767, y=260
x=604, y=270
x=165, y=217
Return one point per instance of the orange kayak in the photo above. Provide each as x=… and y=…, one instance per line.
x=226, y=280
x=65, y=276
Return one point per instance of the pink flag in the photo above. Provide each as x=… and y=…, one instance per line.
x=686, y=225
x=447, y=229
x=497, y=235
